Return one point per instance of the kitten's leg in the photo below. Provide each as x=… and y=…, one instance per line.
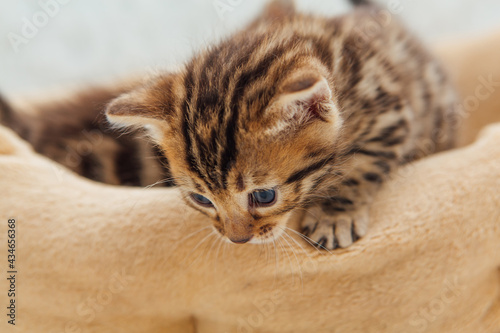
x=342, y=218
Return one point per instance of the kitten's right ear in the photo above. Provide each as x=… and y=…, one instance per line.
x=150, y=107
x=277, y=10
x=133, y=110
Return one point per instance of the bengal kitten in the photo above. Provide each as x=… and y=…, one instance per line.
x=295, y=112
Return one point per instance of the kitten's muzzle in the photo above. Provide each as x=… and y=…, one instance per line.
x=238, y=230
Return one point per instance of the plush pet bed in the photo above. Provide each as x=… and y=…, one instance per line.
x=97, y=258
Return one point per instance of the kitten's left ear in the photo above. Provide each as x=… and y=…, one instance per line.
x=149, y=106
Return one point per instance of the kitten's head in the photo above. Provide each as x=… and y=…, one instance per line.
x=248, y=127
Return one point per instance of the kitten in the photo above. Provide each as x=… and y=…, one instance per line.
x=294, y=112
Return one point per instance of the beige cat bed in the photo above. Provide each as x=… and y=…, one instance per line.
x=96, y=258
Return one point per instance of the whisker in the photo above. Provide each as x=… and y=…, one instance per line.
x=288, y=256
x=221, y=241
x=267, y=253
x=197, y=246
x=204, y=251
x=180, y=242
x=298, y=244
x=261, y=250
x=310, y=241
x=224, y=253
x=162, y=181
x=214, y=242
x=193, y=234
x=276, y=262
x=296, y=258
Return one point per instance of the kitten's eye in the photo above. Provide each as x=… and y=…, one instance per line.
x=263, y=198
x=201, y=200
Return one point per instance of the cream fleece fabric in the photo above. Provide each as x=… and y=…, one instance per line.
x=97, y=258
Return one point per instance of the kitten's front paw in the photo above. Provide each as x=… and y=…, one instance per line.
x=333, y=231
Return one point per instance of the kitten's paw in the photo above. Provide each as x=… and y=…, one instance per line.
x=334, y=231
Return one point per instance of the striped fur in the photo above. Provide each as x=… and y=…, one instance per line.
x=319, y=109
x=73, y=131
x=227, y=131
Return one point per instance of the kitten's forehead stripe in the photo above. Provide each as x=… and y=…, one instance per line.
x=199, y=188
x=188, y=83
x=217, y=84
x=187, y=128
x=210, y=157
x=240, y=183
x=264, y=94
x=209, y=104
x=230, y=153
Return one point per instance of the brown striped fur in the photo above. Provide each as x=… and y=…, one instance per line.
x=309, y=106
x=74, y=132
x=233, y=121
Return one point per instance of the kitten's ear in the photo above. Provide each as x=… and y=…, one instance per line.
x=304, y=99
x=149, y=107
x=277, y=10
x=132, y=108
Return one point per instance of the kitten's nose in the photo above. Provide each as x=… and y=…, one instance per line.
x=238, y=230
x=240, y=240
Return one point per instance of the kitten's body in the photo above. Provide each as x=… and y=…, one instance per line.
x=74, y=132
x=310, y=107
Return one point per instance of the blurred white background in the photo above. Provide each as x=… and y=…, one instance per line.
x=88, y=41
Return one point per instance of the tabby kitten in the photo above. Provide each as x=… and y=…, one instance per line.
x=294, y=112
